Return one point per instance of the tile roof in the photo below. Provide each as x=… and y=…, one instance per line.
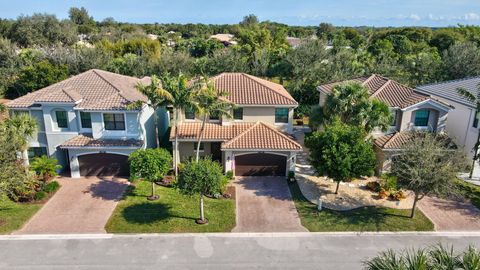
x=92, y=90
x=384, y=89
x=448, y=90
x=397, y=140
x=88, y=141
x=239, y=135
x=262, y=136
x=244, y=89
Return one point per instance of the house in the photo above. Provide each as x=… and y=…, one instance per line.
x=411, y=109
x=226, y=39
x=85, y=122
x=256, y=141
x=462, y=125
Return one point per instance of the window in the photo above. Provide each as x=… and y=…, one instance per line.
x=189, y=114
x=62, y=120
x=394, y=118
x=421, y=118
x=114, y=121
x=202, y=147
x=238, y=114
x=214, y=116
x=281, y=115
x=86, y=120
x=20, y=113
x=475, y=121
x=36, y=152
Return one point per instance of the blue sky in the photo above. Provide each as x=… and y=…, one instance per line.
x=294, y=12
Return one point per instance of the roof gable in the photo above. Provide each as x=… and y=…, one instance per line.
x=448, y=90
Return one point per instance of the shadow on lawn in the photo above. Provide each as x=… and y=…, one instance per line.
x=145, y=213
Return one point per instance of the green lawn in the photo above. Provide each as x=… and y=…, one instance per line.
x=14, y=215
x=470, y=191
x=361, y=219
x=173, y=212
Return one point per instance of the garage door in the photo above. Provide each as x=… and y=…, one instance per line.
x=103, y=165
x=260, y=165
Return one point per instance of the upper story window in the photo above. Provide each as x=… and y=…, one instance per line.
x=394, y=118
x=421, y=118
x=85, y=120
x=238, y=114
x=214, y=117
x=281, y=115
x=61, y=118
x=189, y=114
x=114, y=121
x=475, y=121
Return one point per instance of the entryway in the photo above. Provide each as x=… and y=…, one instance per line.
x=264, y=204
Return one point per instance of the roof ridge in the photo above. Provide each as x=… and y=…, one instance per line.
x=381, y=88
x=279, y=132
x=241, y=134
x=368, y=79
x=391, y=139
x=98, y=74
x=271, y=89
x=448, y=81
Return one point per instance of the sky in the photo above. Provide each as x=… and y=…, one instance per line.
x=431, y=13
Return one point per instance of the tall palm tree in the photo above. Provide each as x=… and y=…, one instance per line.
x=157, y=97
x=476, y=100
x=19, y=128
x=210, y=102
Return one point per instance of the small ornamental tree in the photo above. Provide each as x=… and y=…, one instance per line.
x=150, y=165
x=428, y=165
x=341, y=152
x=45, y=167
x=199, y=178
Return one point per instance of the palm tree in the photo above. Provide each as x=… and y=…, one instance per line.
x=157, y=97
x=210, y=102
x=19, y=128
x=476, y=100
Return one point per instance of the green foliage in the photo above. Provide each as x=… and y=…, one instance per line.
x=436, y=257
x=40, y=195
x=44, y=167
x=229, y=175
x=389, y=182
x=51, y=187
x=202, y=177
x=341, y=152
x=149, y=164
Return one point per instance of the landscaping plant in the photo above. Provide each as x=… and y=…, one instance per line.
x=428, y=165
x=341, y=152
x=150, y=165
x=45, y=168
x=200, y=178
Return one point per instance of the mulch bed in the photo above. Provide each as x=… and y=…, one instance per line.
x=230, y=191
x=167, y=181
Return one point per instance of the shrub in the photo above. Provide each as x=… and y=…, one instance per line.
x=204, y=176
x=382, y=194
x=291, y=174
x=398, y=195
x=229, y=175
x=40, y=195
x=389, y=182
x=374, y=186
x=45, y=168
x=51, y=187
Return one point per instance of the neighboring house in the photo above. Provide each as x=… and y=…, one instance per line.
x=294, y=42
x=226, y=39
x=411, y=110
x=85, y=124
x=256, y=141
x=463, y=121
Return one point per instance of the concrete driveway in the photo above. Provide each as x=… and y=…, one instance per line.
x=80, y=206
x=264, y=204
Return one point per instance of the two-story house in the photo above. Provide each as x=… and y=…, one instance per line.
x=463, y=122
x=256, y=141
x=85, y=124
x=411, y=110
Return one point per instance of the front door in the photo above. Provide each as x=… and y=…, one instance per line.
x=215, y=148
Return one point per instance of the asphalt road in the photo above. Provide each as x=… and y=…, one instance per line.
x=211, y=251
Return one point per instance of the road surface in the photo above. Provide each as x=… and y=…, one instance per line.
x=211, y=251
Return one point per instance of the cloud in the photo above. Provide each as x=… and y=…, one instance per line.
x=471, y=17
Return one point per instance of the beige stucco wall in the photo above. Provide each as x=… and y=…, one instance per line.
x=436, y=122
x=187, y=150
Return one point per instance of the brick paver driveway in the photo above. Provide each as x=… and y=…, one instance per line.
x=449, y=215
x=264, y=204
x=79, y=206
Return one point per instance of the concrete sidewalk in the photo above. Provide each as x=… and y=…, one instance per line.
x=80, y=206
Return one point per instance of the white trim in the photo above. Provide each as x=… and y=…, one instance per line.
x=92, y=153
x=99, y=147
x=259, y=152
x=106, y=111
x=56, y=103
x=268, y=105
x=432, y=102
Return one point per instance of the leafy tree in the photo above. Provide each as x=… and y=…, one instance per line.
x=45, y=167
x=437, y=257
x=351, y=104
x=210, y=102
x=427, y=165
x=326, y=30
x=461, y=60
x=249, y=20
x=199, y=178
x=150, y=165
x=80, y=16
x=444, y=38
x=476, y=100
x=37, y=76
x=341, y=152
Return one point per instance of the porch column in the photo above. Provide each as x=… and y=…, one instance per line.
x=228, y=161
x=291, y=161
x=74, y=167
x=176, y=153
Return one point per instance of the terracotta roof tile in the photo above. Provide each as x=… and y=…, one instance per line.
x=262, y=136
x=386, y=90
x=399, y=139
x=244, y=89
x=92, y=90
x=88, y=141
x=212, y=131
